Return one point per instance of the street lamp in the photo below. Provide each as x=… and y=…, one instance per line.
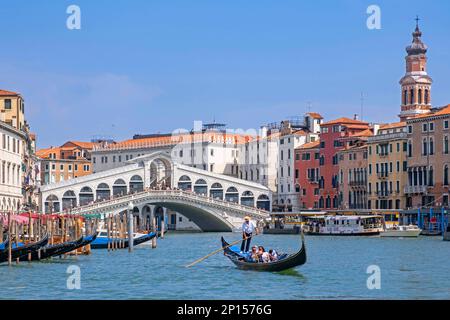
x=130, y=226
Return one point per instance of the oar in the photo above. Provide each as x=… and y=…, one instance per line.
x=214, y=252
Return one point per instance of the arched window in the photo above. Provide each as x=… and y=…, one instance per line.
x=201, y=187
x=420, y=96
x=103, y=192
x=424, y=147
x=86, y=196
x=216, y=191
x=51, y=204
x=263, y=202
x=427, y=96
x=119, y=187
x=446, y=175
x=405, y=97
x=69, y=200
x=232, y=195
x=136, y=184
x=431, y=177
x=185, y=183
x=431, y=146
x=247, y=199
x=445, y=148
x=411, y=97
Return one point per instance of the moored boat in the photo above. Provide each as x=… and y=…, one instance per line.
x=409, y=231
x=369, y=225
x=23, y=249
x=102, y=240
x=284, y=262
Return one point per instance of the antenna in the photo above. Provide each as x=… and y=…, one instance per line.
x=362, y=105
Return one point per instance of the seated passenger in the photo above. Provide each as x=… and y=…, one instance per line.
x=263, y=255
x=273, y=255
x=253, y=255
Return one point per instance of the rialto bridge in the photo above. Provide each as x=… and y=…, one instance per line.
x=154, y=183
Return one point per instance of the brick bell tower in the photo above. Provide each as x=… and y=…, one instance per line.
x=416, y=84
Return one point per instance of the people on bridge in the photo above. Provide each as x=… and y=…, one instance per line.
x=247, y=232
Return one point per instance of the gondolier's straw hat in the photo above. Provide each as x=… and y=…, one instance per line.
x=247, y=218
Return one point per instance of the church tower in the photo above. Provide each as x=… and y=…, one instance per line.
x=416, y=84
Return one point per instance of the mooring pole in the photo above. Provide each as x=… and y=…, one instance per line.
x=130, y=226
x=9, y=238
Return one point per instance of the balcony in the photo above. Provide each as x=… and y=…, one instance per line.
x=383, y=154
x=382, y=175
x=357, y=183
x=313, y=180
x=415, y=189
x=383, y=194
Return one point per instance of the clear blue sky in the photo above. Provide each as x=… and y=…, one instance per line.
x=140, y=66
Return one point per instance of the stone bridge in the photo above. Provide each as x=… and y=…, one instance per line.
x=212, y=201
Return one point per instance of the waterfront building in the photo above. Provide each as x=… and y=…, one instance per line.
x=68, y=161
x=387, y=167
x=12, y=147
x=416, y=83
x=293, y=133
x=335, y=136
x=428, y=159
x=353, y=176
x=12, y=109
x=307, y=173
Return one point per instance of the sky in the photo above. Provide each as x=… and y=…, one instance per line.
x=140, y=66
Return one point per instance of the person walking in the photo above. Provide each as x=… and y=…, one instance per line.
x=247, y=232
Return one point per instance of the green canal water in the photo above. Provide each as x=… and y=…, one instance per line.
x=336, y=269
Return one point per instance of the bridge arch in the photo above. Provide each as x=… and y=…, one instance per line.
x=232, y=195
x=103, y=192
x=86, y=196
x=51, y=204
x=248, y=199
x=136, y=183
x=263, y=202
x=201, y=187
x=216, y=191
x=119, y=187
x=185, y=183
x=69, y=200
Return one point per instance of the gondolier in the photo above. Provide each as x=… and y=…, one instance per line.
x=247, y=232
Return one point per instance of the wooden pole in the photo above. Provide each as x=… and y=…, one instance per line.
x=108, y=231
x=9, y=238
x=130, y=230
x=155, y=230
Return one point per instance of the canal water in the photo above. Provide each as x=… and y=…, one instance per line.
x=336, y=269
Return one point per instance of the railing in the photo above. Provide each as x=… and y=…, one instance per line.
x=382, y=175
x=170, y=194
x=357, y=183
x=384, y=194
x=415, y=189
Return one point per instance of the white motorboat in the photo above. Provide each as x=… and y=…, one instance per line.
x=410, y=231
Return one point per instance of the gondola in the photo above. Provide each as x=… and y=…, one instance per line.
x=102, y=242
x=284, y=262
x=23, y=249
x=58, y=249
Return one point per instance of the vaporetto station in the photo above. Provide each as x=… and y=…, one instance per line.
x=186, y=198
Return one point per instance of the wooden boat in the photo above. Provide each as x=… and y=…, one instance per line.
x=59, y=249
x=101, y=242
x=410, y=231
x=284, y=262
x=23, y=249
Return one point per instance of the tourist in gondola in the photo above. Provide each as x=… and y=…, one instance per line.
x=273, y=255
x=263, y=255
x=247, y=232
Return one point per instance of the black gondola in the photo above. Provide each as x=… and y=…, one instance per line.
x=284, y=262
x=102, y=243
x=24, y=250
x=58, y=249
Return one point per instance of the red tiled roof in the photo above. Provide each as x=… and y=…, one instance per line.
x=442, y=111
x=8, y=93
x=309, y=145
x=392, y=125
x=345, y=120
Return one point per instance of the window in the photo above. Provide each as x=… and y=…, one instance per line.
x=61, y=167
x=431, y=146
x=76, y=167
x=424, y=147
x=212, y=153
x=446, y=124
x=445, y=147
x=446, y=175
x=410, y=129
x=431, y=126
x=7, y=104
x=424, y=127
